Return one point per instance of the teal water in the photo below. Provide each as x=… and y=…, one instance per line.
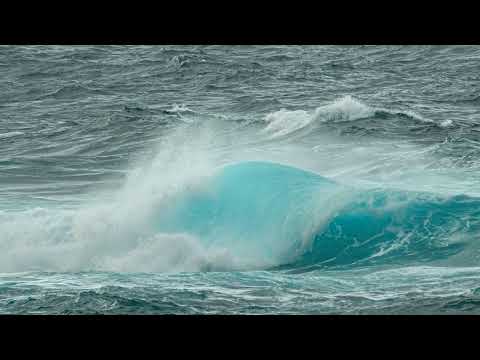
x=239, y=180
x=271, y=214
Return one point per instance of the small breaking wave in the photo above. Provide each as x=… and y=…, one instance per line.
x=345, y=109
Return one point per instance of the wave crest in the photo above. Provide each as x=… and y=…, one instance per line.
x=345, y=109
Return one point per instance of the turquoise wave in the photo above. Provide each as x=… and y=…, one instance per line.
x=271, y=215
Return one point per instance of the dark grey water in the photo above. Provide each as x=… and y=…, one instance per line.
x=96, y=141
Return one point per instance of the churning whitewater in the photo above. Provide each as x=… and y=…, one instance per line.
x=239, y=179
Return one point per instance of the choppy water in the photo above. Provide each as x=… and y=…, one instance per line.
x=239, y=179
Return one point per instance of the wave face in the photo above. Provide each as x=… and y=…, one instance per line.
x=263, y=213
x=271, y=214
x=239, y=179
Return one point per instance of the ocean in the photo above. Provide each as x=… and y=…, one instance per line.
x=239, y=179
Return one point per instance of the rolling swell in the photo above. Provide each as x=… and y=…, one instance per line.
x=270, y=215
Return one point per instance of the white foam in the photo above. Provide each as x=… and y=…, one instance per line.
x=49, y=240
x=446, y=123
x=169, y=253
x=344, y=109
x=182, y=108
x=118, y=235
x=284, y=122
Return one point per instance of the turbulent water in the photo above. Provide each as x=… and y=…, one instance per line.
x=239, y=179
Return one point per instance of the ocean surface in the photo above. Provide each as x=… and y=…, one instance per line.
x=239, y=179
